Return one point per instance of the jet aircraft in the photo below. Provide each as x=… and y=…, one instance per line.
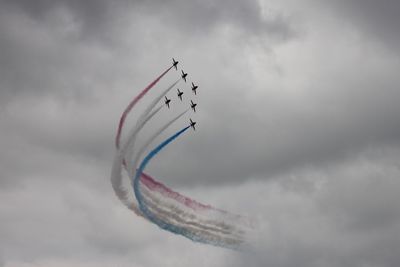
x=192, y=124
x=193, y=105
x=180, y=94
x=184, y=76
x=167, y=101
x=175, y=63
x=194, y=87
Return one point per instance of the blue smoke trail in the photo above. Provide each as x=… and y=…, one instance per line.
x=152, y=217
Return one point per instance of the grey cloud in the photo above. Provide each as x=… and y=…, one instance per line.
x=61, y=219
x=92, y=15
x=340, y=118
x=282, y=122
x=46, y=63
x=194, y=17
x=305, y=219
x=379, y=18
x=38, y=60
x=68, y=48
x=333, y=224
x=199, y=17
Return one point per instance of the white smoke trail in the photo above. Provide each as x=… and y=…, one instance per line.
x=219, y=226
x=139, y=125
x=216, y=230
x=186, y=217
x=182, y=222
x=180, y=211
x=116, y=172
x=219, y=216
x=150, y=140
x=190, y=222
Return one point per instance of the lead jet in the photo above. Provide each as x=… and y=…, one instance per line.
x=180, y=94
x=175, y=63
x=193, y=105
x=194, y=87
x=184, y=76
x=167, y=101
x=192, y=124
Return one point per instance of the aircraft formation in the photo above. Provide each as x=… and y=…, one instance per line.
x=153, y=200
x=180, y=93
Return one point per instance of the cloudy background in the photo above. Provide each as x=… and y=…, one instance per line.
x=298, y=127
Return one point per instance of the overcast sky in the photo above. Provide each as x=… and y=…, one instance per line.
x=298, y=127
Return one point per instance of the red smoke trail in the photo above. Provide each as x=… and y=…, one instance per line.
x=132, y=104
x=154, y=185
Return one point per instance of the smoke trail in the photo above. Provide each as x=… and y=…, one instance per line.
x=143, y=208
x=146, y=179
x=161, y=188
x=116, y=175
x=151, y=139
x=153, y=185
x=116, y=172
x=193, y=225
x=139, y=124
x=168, y=216
x=129, y=169
x=187, y=218
x=133, y=103
x=189, y=213
x=222, y=234
x=164, y=221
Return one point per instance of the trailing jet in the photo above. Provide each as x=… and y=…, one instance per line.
x=175, y=63
x=184, y=76
x=194, y=87
x=193, y=105
x=192, y=124
x=167, y=101
x=180, y=94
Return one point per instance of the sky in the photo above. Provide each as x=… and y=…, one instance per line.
x=298, y=128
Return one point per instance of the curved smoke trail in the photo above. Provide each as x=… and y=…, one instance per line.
x=157, y=186
x=192, y=230
x=150, y=140
x=120, y=157
x=219, y=234
x=133, y=103
x=159, y=204
x=139, y=197
x=139, y=125
x=116, y=172
x=116, y=175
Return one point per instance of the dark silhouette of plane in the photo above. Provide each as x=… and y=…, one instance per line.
x=167, y=101
x=192, y=124
x=175, y=63
x=193, y=105
x=194, y=87
x=180, y=94
x=184, y=76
